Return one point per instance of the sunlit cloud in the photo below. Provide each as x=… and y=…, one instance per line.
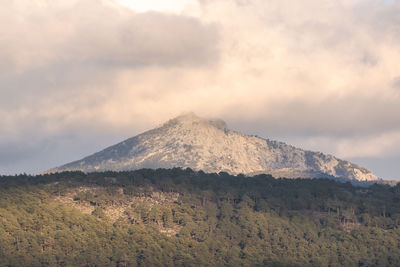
x=173, y=6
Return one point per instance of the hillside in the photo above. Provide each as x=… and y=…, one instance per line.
x=192, y=142
x=187, y=218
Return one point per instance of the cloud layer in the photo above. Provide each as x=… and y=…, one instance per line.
x=319, y=74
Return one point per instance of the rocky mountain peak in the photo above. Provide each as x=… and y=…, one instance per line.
x=189, y=141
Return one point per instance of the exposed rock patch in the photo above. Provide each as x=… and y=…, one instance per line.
x=124, y=208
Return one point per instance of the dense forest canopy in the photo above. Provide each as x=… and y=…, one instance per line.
x=187, y=218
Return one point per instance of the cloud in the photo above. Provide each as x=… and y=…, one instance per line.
x=171, y=6
x=40, y=150
x=396, y=83
x=372, y=146
x=91, y=33
x=311, y=68
x=59, y=60
x=320, y=74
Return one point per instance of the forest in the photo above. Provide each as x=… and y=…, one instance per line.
x=181, y=217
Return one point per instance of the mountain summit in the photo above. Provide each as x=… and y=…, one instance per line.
x=208, y=145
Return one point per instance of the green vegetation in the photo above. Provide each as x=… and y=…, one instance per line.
x=186, y=218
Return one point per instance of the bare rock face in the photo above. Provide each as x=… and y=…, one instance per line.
x=208, y=145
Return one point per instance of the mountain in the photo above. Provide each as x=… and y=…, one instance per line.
x=208, y=145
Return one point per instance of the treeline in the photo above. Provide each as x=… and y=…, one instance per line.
x=185, y=218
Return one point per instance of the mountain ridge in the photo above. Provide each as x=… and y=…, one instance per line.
x=209, y=145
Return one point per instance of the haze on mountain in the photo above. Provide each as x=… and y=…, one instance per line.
x=189, y=141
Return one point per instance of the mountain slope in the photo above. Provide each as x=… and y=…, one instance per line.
x=208, y=145
x=185, y=218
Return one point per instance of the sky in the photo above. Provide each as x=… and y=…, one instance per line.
x=78, y=76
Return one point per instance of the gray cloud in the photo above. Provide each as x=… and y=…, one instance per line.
x=146, y=39
x=335, y=116
x=396, y=83
x=95, y=34
x=36, y=151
